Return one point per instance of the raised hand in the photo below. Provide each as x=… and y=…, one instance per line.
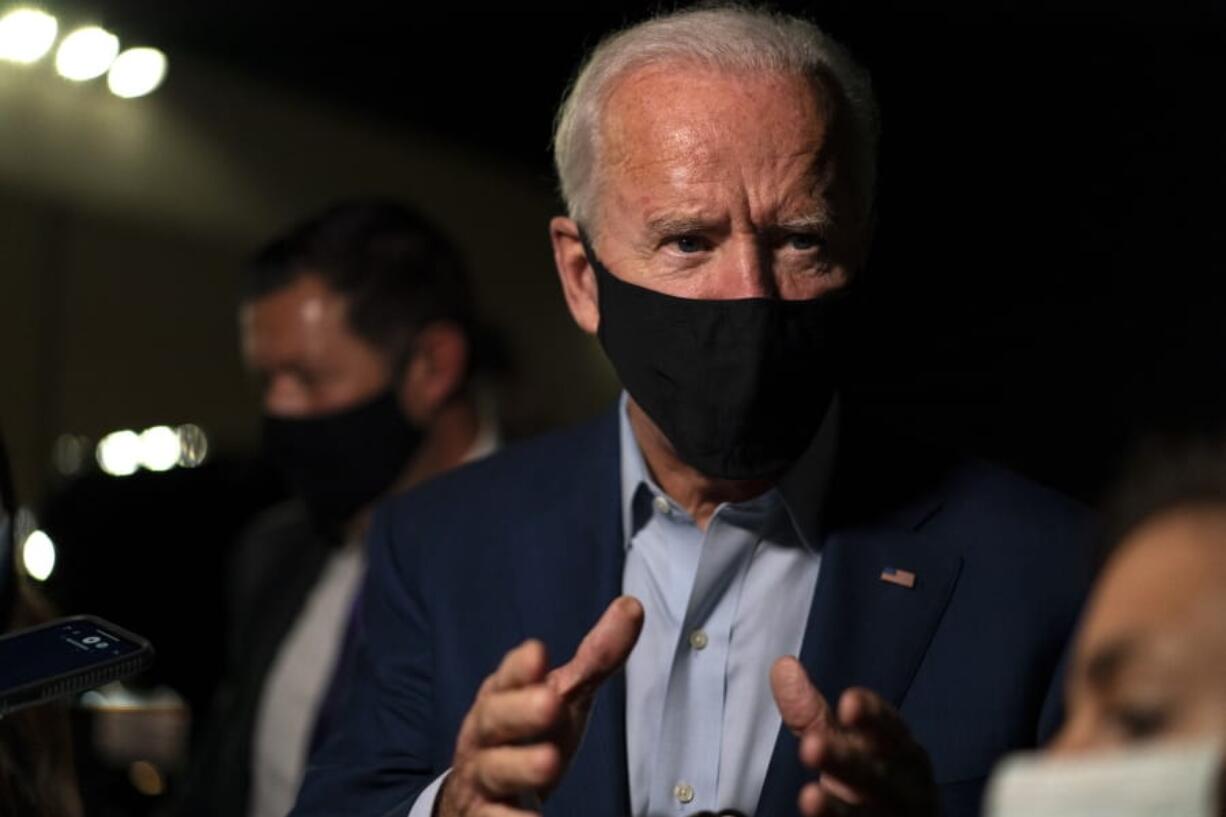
x=526, y=722
x=869, y=765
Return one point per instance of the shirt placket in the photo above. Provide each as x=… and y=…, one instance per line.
x=687, y=773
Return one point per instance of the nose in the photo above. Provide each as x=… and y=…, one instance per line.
x=283, y=396
x=749, y=271
x=1074, y=737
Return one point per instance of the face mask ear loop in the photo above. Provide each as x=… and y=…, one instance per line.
x=590, y=252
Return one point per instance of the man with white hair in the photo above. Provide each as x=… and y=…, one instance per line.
x=725, y=593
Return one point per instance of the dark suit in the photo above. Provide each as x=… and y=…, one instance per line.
x=529, y=544
x=276, y=562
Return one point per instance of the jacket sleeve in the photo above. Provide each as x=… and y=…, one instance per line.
x=379, y=758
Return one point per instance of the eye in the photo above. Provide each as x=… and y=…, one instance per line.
x=689, y=244
x=804, y=241
x=1139, y=722
x=308, y=378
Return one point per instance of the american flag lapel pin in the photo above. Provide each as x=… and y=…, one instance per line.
x=902, y=578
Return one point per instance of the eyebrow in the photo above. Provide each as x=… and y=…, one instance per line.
x=679, y=225
x=817, y=221
x=1105, y=665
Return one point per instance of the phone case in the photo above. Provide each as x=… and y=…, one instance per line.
x=70, y=683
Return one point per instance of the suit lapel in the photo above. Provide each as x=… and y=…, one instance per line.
x=863, y=631
x=572, y=571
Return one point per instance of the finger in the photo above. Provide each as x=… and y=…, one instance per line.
x=503, y=810
x=868, y=713
x=800, y=704
x=603, y=651
x=516, y=715
x=856, y=773
x=896, y=779
x=524, y=665
x=883, y=728
x=816, y=801
x=506, y=771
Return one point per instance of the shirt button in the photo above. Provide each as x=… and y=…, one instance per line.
x=661, y=505
x=698, y=640
x=684, y=792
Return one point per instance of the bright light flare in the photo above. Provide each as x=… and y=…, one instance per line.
x=38, y=556
x=136, y=72
x=159, y=448
x=86, y=53
x=26, y=35
x=119, y=453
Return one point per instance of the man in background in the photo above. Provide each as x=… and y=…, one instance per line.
x=360, y=329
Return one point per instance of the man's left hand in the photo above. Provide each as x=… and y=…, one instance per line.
x=868, y=762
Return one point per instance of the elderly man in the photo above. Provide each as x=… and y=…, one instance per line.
x=789, y=595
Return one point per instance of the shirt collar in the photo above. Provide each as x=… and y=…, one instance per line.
x=489, y=435
x=485, y=443
x=802, y=488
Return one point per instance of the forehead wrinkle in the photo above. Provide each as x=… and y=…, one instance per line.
x=805, y=203
x=680, y=155
x=698, y=147
x=628, y=113
x=802, y=171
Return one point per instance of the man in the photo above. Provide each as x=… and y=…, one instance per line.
x=359, y=327
x=739, y=540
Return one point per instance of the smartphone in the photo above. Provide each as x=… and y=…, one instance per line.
x=64, y=657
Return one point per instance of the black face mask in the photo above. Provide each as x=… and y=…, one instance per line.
x=739, y=387
x=339, y=462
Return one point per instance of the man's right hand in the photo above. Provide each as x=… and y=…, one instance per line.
x=526, y=723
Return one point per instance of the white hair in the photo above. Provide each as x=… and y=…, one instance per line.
x=728, y=38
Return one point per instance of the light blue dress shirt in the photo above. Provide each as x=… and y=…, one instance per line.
x=721, y=607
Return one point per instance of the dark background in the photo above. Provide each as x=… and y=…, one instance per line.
x=1046, y=286
x=1046, y=276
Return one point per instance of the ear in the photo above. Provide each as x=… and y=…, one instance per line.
x=434, y=372
x=577, y=276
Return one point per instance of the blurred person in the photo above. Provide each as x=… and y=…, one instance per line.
x=1147, y=685
x=37, y=773
x=1150, y=656
x=777, y=590
x=361, y=331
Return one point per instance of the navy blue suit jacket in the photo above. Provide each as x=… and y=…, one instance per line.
x=529, y=544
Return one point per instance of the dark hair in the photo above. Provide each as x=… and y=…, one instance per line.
x=396, y=269
x=1167, y=474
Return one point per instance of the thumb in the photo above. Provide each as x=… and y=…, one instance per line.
x=603, y=651
x=800, y=704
